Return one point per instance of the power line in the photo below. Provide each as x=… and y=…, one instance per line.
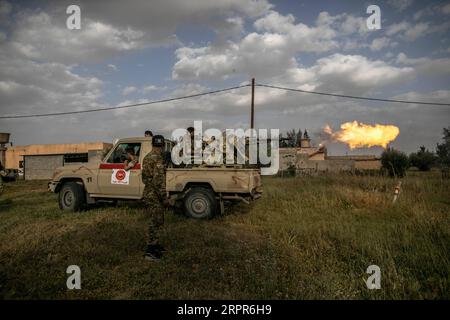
x=351, y=97
x=219, y=91
x=125, y=106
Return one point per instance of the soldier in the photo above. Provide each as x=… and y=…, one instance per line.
x=131, y=158
x=154, y=196
x=148, y=133
x=1, y=183
x=2, y=173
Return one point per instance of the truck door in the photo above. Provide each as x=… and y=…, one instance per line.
x=113, y=180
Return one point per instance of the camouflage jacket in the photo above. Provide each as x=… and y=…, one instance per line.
x=153, y=171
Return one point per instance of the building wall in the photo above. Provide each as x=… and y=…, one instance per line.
x=312, y=166
x=317, y=156
x=368, y=165
x=95, y=155
x=311, y=160
x=362, y=162
x=16, y=153
x=39, y=167
x=287, y=158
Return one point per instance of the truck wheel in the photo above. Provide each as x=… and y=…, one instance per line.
x=72, y=197
x=200, y=203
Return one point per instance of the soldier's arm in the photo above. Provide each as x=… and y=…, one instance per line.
x=145, y=168
x=130, y=165
x=159, y=175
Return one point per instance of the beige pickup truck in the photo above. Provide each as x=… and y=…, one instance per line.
x=200, y=191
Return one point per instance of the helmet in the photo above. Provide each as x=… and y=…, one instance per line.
x=158, y=141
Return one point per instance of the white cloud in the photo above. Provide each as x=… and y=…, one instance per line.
x=438, y=96
x=32, y=87
x=354, y=74
x=271, y=53
x=400, y=4
x=160, y=19
x=432, y=10
x=127, y=90
x=411, y=32
x=152, y=88
x=353, y=24
x=37, y=36
x=5, y=8
x=379, y=43
x=110, y=28
x=271, y=50
x=397, y=27
x=446, y=8
x=113, y=67
x=425, y=65
x=417, y=31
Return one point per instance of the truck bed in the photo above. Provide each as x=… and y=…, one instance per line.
x=223, y=180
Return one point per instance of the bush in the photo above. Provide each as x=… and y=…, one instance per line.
x=394, y=162
x=443, y=149
x=423, y=159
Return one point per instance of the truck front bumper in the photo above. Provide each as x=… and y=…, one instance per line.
x=52, y=186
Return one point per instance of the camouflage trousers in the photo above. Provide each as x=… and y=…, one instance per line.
x=154, y=209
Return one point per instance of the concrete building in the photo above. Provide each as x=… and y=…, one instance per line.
x=360, y=162
x=308, y=159
x=39, y=161
x=4, y=139
x=294, y=157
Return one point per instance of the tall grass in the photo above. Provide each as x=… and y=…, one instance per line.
x=306, y=238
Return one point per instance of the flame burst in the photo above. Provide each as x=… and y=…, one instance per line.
x=359, y=135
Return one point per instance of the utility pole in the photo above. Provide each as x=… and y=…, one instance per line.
x=252, y=115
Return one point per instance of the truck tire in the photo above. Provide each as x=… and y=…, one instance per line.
x=200, y=203
x=72, y=197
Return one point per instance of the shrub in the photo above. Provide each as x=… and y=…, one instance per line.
x=394, y=162
x=423, y=159
x=443, y=149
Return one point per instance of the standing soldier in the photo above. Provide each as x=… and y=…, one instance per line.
x=154, y=196
x=2, y=173
x=1, y=183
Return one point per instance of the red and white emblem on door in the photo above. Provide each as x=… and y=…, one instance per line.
x=120, y=176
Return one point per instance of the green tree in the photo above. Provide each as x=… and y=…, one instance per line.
x=422, y=159
x=394, y=162
x=292, y=138
x=443, y=149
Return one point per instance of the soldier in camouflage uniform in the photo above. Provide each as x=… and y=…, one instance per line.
x=154, y=196
x=1, y=184
x=2, y=173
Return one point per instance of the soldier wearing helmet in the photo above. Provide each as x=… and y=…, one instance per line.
x=154, y=196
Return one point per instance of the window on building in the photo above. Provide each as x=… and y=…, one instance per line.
x=76, y=157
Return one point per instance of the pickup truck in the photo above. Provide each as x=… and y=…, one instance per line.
x=201, y=191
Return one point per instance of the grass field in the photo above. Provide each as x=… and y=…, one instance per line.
x=306, y=238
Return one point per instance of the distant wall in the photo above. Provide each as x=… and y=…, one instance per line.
x=312, y=166
x=16, y=154
x=287, y=158
x=368, y=165
x=95, y=155
x=311, y=160
x=41, y=167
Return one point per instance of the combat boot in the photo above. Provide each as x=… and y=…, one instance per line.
x=152, y=253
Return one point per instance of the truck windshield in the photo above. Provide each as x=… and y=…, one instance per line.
x=125, y=152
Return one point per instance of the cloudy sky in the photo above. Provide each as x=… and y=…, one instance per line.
x=138, y=50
